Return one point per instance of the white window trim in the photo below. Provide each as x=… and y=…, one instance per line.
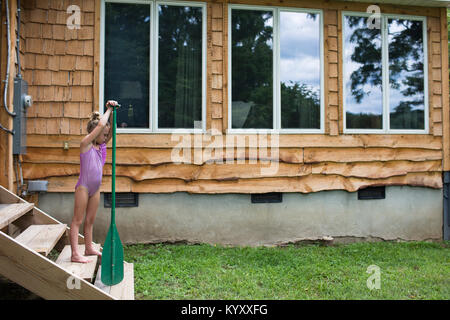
x=153, y=61
x=385, y=76
x=276, y=72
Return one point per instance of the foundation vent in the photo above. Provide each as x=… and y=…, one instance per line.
x=271, y=197
x=123, y=200
x=372, y=193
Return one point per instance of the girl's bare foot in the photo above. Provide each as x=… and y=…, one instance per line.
x=79, y=259
x=92, y=252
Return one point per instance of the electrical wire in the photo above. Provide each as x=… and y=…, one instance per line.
x=5, y=104
x=7, y=74
x=19, y=73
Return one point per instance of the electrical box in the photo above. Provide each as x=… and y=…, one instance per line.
x=22, y=101
x=38, y=186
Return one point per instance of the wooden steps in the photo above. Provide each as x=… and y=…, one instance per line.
x=82, y=270
x=42, y=237
x=123, y=290
x=23, y=259
x=40, y=275
x=12, y=211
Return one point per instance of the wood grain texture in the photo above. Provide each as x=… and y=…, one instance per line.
x=163, y=141
x=304, y=184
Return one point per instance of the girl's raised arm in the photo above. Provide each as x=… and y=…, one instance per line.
x=87, y=140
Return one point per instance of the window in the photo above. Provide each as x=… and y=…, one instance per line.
x=385, y=75
x=154, y=63
x=275, y=69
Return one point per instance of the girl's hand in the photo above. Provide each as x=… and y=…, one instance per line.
x=112, y=104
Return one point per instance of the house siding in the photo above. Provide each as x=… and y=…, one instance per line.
x=61, y=67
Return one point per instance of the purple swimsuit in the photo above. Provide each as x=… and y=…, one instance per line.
x=91, y=169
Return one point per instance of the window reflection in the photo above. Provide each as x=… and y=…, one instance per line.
x=300, y=70
x=127, y=39
x=179, y=66
x=362, y=74
x=406, y=74
x=252, y=69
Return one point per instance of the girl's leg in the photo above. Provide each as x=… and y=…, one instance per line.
x=81, y=201
x=91, y=212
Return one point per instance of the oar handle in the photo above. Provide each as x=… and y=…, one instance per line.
x=113, y=186
x=113, y=192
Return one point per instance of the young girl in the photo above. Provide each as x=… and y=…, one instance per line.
x=87, y=189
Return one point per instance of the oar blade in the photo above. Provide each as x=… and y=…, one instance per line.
x=112, y=258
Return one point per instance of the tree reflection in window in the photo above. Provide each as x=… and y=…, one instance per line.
x=179, y=66
x=363, y=74
x=252, y=69
x=300, y=70
x=406, y=74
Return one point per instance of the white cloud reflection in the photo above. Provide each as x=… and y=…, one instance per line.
x=300, y=48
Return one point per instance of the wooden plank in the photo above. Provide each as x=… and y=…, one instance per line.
x=305, y=184
x=41, y=275
x=224, y=65
x=6, y=156
x=186, y=172
x=376, y=170
x=11, y=212
x=445, y=90
x=123, y=290
x=346, y=6
x=209, y=52
x=309, y=183
x=133, y=156
x=369, y=154
x=325, y=42
x=7, y=196
x=430, y=80
x=340, y=74
x=214, y=171
x=42, y=238
x=126, y=290
x=5, y=141
x=162, y=141
x=96, y=85
x=82, y=270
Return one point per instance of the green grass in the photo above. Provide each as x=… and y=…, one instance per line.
x=409, y=270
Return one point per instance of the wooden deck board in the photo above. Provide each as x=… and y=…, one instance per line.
x=43, y=237
x=82, y=270
x=122, y=291
x=13, y=211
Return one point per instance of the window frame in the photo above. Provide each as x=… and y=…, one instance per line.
x=385, y=75
x=276, y=100
x=153, y=65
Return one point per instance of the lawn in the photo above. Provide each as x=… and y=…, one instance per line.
x=408, y=270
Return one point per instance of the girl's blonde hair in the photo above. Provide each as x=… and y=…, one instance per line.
x=95, y=118
x=93, y=121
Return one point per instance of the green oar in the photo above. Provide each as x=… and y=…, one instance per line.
x=112, y=254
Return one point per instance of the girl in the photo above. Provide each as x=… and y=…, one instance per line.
x=87, y=190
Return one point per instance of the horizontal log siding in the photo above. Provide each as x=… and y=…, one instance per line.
x=61, y=67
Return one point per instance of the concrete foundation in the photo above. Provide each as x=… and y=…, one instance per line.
x=407, y=213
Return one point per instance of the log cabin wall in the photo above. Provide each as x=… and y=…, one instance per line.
x=62, y=70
